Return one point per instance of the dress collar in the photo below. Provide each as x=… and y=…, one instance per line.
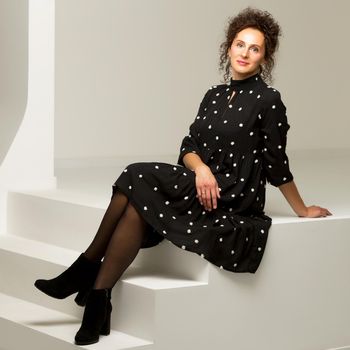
x=243, y=83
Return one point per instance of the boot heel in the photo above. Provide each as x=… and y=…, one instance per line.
x=81, y=297
x=106, y=327
x=96, y=319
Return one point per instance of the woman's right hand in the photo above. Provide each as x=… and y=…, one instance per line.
x=207, y=187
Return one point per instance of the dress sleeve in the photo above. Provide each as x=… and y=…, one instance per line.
x=190, y=143
x=274, y=128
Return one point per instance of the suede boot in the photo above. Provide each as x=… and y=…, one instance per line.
x=79, y=277
x=97, y=317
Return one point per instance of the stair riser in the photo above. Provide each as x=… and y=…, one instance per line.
x=18, y=274
x=134, y=310
x=298, y=298
x=55, y=222
x=19, y=337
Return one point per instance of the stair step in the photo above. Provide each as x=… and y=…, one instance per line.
x=45, y=328
x=134, y=296
x=40, y=250
x=162, y=281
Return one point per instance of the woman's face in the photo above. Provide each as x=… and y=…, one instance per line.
x=246, y=53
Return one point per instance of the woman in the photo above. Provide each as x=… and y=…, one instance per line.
x=212, y=202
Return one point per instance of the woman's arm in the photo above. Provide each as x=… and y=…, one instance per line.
x=292, y=196
x=192, y=161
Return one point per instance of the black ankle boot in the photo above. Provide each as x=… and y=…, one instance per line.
x=97, y=317
x=79, y=277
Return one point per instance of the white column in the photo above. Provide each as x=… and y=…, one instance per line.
x=29, y=163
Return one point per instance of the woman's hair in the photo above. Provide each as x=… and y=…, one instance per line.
x=258, y=19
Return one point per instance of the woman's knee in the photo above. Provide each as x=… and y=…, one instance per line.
x=119, y=195
x=131, y=212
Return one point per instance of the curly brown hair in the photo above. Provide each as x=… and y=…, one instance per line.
x=252, y=18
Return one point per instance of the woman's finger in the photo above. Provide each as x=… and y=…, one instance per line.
x=199, y=195
x=207, y=199
x=202, y=196
x=325, y=212
x=213, y=197
x=217, y=191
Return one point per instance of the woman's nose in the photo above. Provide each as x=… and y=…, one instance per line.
x=244, y=52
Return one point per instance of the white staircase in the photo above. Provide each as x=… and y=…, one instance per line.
x=168, y=299
x=171, y=299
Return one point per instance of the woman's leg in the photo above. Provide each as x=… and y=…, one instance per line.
x=122, y=248
x=97, y=248
x=81, y=275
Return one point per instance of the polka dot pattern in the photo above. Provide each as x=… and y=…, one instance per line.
x=241, y=136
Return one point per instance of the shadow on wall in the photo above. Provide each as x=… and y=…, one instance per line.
x=13, y=69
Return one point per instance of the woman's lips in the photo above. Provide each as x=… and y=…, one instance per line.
x=242, y=63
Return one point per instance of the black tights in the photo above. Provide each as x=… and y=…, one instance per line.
x=118, y=240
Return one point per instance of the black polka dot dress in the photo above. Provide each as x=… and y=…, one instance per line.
x=243, y=141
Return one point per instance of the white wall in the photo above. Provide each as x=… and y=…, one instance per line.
x=130, y=74
x=13, y=69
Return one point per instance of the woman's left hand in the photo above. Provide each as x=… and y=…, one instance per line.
x=315, y=211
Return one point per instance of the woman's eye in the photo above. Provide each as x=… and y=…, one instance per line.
x=255, y=49
x=239, y=45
